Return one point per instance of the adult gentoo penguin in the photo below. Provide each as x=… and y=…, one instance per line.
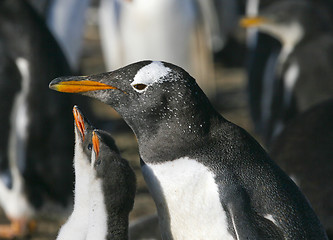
x=298, y=82
x=263, y=51
x=209, y=178
x=304, y=151
x=111, y=189
x=77, y=224
x=37, y=133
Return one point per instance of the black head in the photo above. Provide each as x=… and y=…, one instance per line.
x=150, y=96
x=118, y=178
x=289, y=18
x=83, y=132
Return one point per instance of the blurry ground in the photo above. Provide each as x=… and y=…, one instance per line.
x=232, y=103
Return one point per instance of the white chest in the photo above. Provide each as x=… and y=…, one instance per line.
x=76, y=227
x=186, y=191
x=97, y=212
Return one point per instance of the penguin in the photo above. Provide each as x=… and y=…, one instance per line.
x=36, y=143
x=8, y=90
x=170, y=24
x=76, y=226
x=262, y=54
x=304, y=151
x=298, y=82
x=208, y=177
x=179, y=32
x=66, y=20
x=112, y=187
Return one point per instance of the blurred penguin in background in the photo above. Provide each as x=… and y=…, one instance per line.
x=36, y=124
x=220, y=18
x=304, y=150
x=291, y=81
x=189, y=33
x=66, y=20
x=263, y=51
x=168, y=30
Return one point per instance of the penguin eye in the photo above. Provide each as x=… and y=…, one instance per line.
x=89, y=146
x=140, y=86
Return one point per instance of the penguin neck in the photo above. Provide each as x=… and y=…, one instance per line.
x=180, y=127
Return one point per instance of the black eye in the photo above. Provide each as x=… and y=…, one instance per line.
x=89, y=146
x=140, y=86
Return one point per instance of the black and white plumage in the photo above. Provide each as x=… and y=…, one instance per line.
x=105, y=186
x=169, y=24
x=112, y=186
x=209, y=178
x=170, y=30
x=66, y=20
x=37, y=146
x=76, y=227
x=298, y=82
x=304, y=151
x=263, y=52
x=7, y=91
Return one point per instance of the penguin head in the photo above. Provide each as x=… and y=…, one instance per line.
x=143, y=93
x=288, y=20
x=117, y=177
x=83, y=131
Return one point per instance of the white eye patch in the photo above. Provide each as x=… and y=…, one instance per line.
x=150, y=74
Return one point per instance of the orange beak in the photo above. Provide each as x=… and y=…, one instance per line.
x=79, y=86
x=79, y=121
x=95, y=141
x=248, y=22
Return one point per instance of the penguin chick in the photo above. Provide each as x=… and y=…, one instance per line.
x=77, y=224
x=111, y=189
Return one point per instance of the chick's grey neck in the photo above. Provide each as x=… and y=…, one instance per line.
x=117, y=225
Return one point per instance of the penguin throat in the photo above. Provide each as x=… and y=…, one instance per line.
x=171, y=139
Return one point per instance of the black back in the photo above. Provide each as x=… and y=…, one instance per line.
x=304, y=151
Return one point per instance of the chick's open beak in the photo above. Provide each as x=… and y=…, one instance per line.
x=95, y=141
x=79, y=121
